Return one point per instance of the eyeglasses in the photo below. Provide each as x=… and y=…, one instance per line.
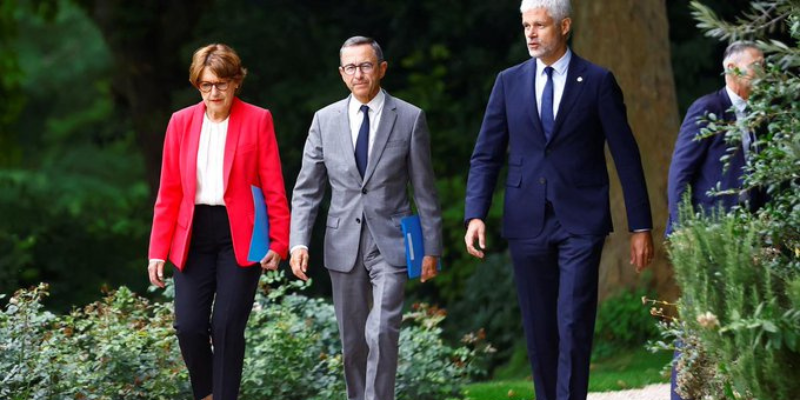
x=365, y=68
x=205, y=86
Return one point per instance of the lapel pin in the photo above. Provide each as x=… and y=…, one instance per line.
x=580, y=79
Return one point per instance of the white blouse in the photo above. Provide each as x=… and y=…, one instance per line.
x=210, y=161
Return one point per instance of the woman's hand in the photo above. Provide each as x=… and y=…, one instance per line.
x=155, y=270
x=271, y=261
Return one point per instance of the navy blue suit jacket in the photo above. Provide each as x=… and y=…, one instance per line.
x=696, y=163
x=569, y=170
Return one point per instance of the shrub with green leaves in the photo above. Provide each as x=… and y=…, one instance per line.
x=622, y=323
x=740, y=271
x=124, y=347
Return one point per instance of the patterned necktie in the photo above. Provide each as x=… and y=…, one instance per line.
x=362, y=143
x=547, y=105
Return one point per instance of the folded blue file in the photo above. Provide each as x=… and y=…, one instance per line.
x=415, y=245
x=259, y=244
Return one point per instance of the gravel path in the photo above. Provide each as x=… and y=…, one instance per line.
x=652, y=392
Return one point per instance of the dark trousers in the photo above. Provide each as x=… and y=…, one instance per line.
x=211, y=276
x=556, y=276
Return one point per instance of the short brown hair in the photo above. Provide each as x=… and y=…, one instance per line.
x=221, y=59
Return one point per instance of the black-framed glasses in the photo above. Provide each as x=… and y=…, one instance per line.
x=365, y=68
x=206, y=86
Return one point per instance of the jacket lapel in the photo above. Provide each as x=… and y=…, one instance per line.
x=193, y=144
x=388, y=118
x=572, y=90
x=345, y=139
x=231, y=140
x=529, y=97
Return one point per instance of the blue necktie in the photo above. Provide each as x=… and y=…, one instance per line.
x=362, y=142
x=547, y=105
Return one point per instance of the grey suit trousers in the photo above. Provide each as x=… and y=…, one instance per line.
x=368, y=301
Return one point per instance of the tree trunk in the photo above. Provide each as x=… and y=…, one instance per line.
x=631, y=38
x=145, y=38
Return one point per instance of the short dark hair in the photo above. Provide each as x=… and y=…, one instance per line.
x=359, y=40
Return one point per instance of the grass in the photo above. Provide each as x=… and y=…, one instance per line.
x=629, y=369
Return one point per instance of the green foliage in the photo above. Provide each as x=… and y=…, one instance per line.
x=622, y=323
x=739, y=272
x=73, y=206
x=119, y=347
x=490, y=304
x=124, y=347
x=741, y=329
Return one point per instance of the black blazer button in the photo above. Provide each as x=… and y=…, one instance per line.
x=364, y=191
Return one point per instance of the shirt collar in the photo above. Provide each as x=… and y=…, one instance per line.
x=375, y=104
x=560, y=67
x=737, y=101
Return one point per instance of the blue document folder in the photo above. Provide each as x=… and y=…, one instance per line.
x=259, y=244
x=415, y=245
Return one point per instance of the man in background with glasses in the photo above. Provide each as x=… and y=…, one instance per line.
x=368, y=147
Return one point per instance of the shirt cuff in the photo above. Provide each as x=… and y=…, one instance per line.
x=156, y=259
x=641, y=230
x=299, y=246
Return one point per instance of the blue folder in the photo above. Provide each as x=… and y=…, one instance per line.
x=415, y=245
x=259, y=244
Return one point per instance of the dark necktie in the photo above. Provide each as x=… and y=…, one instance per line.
x=362, y=142
x=547, y=105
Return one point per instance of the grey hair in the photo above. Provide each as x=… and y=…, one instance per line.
x=359, y=40
x=736, y=49
x=558, y=9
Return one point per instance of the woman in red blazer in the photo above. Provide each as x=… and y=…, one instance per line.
x=203, y=220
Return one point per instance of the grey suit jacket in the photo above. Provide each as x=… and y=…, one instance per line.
x=400, y=155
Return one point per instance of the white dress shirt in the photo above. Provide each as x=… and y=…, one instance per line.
x=739, y=104
x=210, y=161
x=560, y=69
x=356, y=117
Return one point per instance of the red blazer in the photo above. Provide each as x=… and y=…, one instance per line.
x=251, y=158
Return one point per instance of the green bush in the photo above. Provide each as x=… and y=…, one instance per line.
x=490, y=304
x=740, y=272
x=124, y=347
x=622, y=323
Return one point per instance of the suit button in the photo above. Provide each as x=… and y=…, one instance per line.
x=547, y=152
x=364, y=191
x=542, y=180
x=358, y=220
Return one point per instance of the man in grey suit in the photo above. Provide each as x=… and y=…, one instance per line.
x=368, y=147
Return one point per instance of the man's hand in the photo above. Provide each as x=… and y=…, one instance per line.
x=642, y=252
x=299, y=263
x=155, y=270
x=429, y=271
x=271, y=261
x=476, y=230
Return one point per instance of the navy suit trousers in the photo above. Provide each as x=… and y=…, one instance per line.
x=556, y=275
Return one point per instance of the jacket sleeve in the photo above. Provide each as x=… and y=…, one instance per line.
x=488, y=156
x=686, y=158
x=625, y=151
x=170, y=194
x=309, y=187
x=423, y=181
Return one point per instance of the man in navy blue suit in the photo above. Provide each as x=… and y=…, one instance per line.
x=553, y=115
x=696, y=163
